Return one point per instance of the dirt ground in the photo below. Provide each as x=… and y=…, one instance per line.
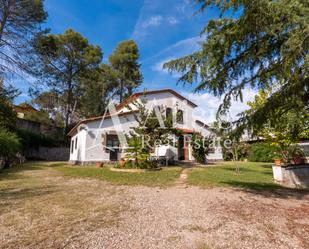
x=43, y=209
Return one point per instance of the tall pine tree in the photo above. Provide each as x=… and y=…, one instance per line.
x=62, y=61
x=124, y=60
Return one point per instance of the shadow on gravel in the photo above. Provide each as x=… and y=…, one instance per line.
x=13, y=173
x=269, y=190
x=25, y=193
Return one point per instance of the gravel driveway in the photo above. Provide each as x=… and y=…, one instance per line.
x=61, y=212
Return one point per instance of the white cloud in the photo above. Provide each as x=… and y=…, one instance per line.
x=172, y=20
x=152, y=21
x=178, y=49
x=158, y=67
x=184, y=6
x=157, y=14
x=208, y=104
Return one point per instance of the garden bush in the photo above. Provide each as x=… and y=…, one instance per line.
x=32, y=140
x=262, y=152
x=9, y=146
x=145, y=164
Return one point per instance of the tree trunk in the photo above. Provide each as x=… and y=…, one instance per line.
x=121, y=91
x=68, y=108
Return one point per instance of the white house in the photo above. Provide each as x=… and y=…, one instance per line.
x=100, y=139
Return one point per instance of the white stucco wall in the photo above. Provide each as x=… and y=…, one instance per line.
x=78, y=151
x=167, y=99
x=90, y=147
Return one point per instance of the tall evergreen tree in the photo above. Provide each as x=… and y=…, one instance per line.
x=19, y=21
x=252, y=44
x=62, y=61
x=124, y=60
x=97, y=89
x=7, y=114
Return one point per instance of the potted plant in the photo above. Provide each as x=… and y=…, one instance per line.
x=122, y=163
x=277, y=158
x=277, y=161
x=296, y=154
x=99, y=165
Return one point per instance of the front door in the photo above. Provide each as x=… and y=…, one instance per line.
x=181, y=151
x=183, y=148
x=113, y=147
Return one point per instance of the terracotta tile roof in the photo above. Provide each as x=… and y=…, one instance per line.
x=184, y=130
x=136, y=95
x=130, y=100
x=23, y=108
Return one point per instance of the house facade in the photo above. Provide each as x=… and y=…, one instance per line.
x=102, y=139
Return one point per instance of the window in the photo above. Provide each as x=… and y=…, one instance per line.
x=75, y=143
x=112, y=141
x=72, y=146
x=179, y=117
x=169, y=113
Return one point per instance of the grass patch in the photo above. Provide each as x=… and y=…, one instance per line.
x=39, y=208
x=257, y=176
x=164, y=177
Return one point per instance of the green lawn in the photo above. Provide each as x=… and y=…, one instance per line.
x=256, y=176
x=164, y=177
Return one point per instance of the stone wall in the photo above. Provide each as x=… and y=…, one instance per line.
x=49, y=154
x=295, y=176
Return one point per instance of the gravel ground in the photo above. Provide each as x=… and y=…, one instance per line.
x=80, y=213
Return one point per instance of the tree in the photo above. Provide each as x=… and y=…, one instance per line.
x=7, y=114
x=47, y=101
x=200, y=147
x=124, y=60
x=19, y=21
x=252, y=44
x=283, y=128
x=62, y=60
x=153, y=125
x=40, y=116
x=136, y=151
x=8, y=93
x=153, y=129
x=97, y=90
x=9, y=146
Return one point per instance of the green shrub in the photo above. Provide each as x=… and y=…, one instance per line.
x=32, y=140
x=9, y=146
x=237, y=151
x=145, y=164
x=200, y=148
x=262, y=152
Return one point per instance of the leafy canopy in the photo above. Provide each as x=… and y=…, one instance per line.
x=62, y=61
x=252, y=44
x=124, y=60
x=19, y=21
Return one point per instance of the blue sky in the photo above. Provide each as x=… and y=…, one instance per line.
x=163, y=30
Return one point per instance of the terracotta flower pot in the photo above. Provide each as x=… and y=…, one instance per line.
x=122, y=163
x=298, y=160
x=277, y=162
x=99, y=165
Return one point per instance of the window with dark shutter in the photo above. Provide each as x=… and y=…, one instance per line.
x=169, y=113
x=179, y=116
x=72, y=146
